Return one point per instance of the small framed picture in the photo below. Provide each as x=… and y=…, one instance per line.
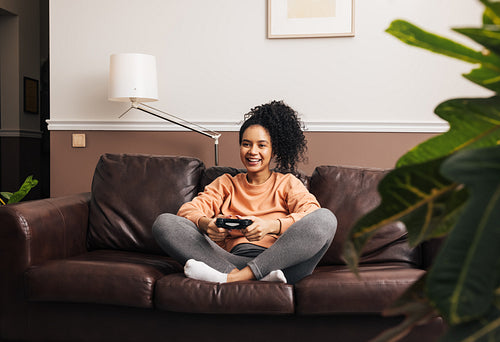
x=31, y=102
x=310, y=18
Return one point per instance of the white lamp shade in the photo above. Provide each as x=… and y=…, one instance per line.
x=132, y=76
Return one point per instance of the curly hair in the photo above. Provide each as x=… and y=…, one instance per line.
x=285, y=129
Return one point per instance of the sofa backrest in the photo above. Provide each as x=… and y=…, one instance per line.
x=351, y=192
x=128, y=193
x=130, y=190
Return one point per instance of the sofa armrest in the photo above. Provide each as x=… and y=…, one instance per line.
x=33, y=232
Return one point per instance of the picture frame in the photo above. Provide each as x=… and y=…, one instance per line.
x=307, y=18
x=31, y=95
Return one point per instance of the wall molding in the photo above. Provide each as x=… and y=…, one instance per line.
x=382, y=127
x=20, y=133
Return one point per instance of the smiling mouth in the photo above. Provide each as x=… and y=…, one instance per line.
x=253, y=160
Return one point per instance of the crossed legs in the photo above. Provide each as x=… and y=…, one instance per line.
x=293, y=256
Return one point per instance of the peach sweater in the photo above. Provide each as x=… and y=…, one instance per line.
x=282, y=197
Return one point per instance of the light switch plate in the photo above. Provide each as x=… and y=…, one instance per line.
x=78, y=140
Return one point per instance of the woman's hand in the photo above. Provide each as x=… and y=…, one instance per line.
x=260, y=228
x=215, y=233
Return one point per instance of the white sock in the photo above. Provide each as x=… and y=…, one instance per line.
x=201, y=271
x=276, y=276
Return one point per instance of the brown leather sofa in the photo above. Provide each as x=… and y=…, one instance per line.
x=86, y=267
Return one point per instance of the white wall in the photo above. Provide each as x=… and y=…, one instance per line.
x=215, y=62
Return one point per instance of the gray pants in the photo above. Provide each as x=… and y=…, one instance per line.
x=296, y=252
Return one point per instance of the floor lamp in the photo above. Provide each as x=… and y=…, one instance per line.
x=132, y=78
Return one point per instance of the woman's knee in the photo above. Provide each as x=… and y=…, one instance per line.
x=162, y=224
x=325, y=221
x=329, y=216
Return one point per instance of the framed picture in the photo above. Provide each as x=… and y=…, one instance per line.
x=310, y=18
x=30, y=95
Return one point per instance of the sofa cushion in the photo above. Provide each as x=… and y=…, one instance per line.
x=351, y=192
x=130, y=191
x=103, y=277
x=177, y=293
x=335, y=289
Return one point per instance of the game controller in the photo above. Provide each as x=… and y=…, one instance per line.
x=232, y=223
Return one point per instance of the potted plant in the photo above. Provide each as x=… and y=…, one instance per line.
x=449, y=186
x=29, y=183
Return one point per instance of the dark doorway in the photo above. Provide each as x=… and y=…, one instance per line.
x=24, y=151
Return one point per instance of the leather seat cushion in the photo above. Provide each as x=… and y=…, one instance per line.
x=177, y=293
x=102, y=277
x=335, y=289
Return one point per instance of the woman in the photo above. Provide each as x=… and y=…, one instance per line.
x=289, y=233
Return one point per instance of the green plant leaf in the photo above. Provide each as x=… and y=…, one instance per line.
x=28, y=184
x=491, y=14
x=417, y=195
x=415, y=36
x=485, y=330
x=487, y=78
x=437, y=218
x=415, y=306
x=466, y=272
x=473, y=123
x=497, y=298
x=490, y=18
x=488, y=36
x=6, y=195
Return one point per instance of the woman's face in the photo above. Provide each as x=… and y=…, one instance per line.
x=255, y=149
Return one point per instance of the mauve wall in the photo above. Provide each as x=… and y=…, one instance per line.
x=72, y=168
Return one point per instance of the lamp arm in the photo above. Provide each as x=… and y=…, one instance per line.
x=176, y=120
x=181, y=122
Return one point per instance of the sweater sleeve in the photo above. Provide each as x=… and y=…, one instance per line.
x=207, y=203
x=300, y=202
